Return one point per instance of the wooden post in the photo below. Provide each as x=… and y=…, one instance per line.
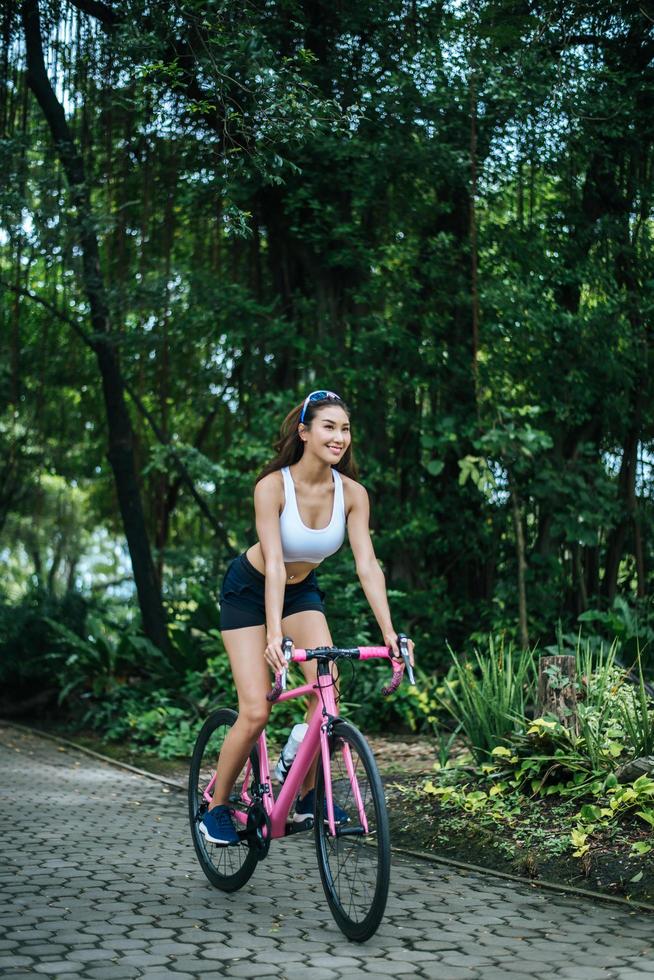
x=557, y=693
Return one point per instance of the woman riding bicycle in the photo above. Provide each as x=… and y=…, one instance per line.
x=303, y=500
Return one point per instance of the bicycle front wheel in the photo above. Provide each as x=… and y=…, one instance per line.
x=355, y=864
x=227, y=867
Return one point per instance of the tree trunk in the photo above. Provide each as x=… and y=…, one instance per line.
x=627, y=497
x=121, y=436
x=582, y=593
x=522, y=569
x=474, y=250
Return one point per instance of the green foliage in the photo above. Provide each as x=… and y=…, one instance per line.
x=27, y=636
x=636, y=715
x=488, y=693
x=631, y=622
x=618, y=802
x=106, y=657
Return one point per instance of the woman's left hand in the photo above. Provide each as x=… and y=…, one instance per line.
x=390, y=639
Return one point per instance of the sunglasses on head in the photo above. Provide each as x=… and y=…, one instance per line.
x=318, y=396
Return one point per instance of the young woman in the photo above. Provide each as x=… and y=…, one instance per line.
x=303, y=501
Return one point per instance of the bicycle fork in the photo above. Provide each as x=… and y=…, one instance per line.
x=330, y=712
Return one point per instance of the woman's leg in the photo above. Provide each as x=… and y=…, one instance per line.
x=245, y=648
x=308, y=629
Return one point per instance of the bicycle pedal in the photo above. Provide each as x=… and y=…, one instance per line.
x=299, y=828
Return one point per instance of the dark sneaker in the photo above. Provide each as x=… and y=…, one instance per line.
x=304, y=810
x=217, y=826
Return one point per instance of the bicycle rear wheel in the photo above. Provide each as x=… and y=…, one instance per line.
x=226, y=867
x=354, y=865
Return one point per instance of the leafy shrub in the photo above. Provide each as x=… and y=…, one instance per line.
x=630, y=623
x=27, y=636
x=636, y=715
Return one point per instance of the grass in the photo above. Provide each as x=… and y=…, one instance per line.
x=488, y=695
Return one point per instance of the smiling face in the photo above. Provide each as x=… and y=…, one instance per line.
x=328, y=435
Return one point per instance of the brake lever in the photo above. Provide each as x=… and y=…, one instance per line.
x=279, y=684
x=403, y=642
x=287, y=647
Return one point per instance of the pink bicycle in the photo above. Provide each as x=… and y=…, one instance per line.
x=354, y=855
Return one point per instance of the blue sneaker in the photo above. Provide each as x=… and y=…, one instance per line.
x=217, y=827
x=304, y=810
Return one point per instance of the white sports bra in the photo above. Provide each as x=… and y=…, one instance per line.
x=302, y=543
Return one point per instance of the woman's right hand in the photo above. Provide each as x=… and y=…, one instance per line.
x=274, y=653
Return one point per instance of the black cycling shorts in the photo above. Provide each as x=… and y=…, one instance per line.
x=242, y=599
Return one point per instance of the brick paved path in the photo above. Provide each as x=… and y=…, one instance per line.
x=99, y=879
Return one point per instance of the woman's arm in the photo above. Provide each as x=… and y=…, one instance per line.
x=368, y=568
x=267, y=502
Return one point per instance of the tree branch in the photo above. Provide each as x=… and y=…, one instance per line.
x=181, y=54
x=101, y=11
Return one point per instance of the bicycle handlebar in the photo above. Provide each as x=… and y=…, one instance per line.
x=399, y=664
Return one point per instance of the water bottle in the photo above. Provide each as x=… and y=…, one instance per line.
x=289, y=751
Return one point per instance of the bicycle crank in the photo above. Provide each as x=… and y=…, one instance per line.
x=258, y=829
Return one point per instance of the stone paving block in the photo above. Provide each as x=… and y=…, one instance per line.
x=120, y=943
x=496, y=973
x=356, y=974
x=129, y=918
x=190, y=964
x=171, y=921
x=637, y=965
x=198, y=936
x=537, y=955
x=224, y=953
x=10, y=962
x=386, y=969
x=582, y=973
x=169, y=974
x=410, y=955
x=282, y=956
x=469, y=961
x=252, y=970
x=90, y=955
x=70, y=937
x=301, y=946
x=12, y=920
x=143, y=959
x=152, y=933
x=58, y=966
x=317, y=973
x=435, y=972
x=20, y=935
x=514, y=965
x=438, y=945
x=342, y=963
x=112, y=973
x=42, y=949
x=245, y=939
x=103, y=929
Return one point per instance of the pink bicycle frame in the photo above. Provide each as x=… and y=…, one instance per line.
x=316, y=738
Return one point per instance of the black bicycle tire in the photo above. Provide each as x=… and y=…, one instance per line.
x=226, y=883
x=356, y=931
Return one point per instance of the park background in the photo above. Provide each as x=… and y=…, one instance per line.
x=442, y=211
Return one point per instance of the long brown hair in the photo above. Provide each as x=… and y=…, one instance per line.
x=289, y=447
